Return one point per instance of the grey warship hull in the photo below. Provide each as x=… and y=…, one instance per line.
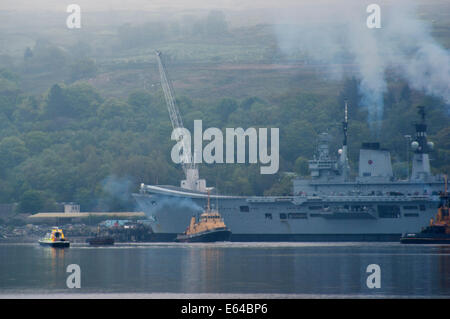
x=305, y=218
x=327, y=206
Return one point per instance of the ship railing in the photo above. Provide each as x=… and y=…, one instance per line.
x=269, y=199
x=361, y=198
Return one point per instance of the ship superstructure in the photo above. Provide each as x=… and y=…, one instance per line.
x=327, y=206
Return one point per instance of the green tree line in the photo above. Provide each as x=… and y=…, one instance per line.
x=72, y=144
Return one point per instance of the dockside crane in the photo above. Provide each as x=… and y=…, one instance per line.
x=190, y=168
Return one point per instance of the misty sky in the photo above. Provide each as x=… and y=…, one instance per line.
x=100, y=5
x=322, y=30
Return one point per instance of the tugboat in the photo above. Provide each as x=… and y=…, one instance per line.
x=55, y=239
x=100, y=240
x=209, y=228
x=438, y=232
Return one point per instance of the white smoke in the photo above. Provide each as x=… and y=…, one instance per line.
x=337, y=34
x=164, y=202
x=116, y=193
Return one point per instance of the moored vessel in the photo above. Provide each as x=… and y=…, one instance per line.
x=99, y=240
x=55, y=239
x=438, y=232
x=329, y=205
x=332, y=204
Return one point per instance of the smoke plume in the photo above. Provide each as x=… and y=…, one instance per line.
x=163, y=203
x=337, y=35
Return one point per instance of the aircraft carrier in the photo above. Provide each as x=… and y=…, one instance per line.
x=331, y=205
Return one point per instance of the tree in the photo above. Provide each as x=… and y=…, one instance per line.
x=34, y=201
x=26, y=111
x=226, y=107
x=282, y=188
x=36, y=141
x=83, y=69
x=56, y=101
x=301, y=166
x=113, y=108
x=47, y=57
x=9, y=92
x=76, y=101
x=140, y=99
x=82, y=100
x=12, y=152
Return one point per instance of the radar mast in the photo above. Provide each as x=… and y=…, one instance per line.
x=344, y=157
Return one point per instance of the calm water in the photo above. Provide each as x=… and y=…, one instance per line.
x=253, y=269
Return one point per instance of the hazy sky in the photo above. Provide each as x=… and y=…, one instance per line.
x=100, y=5
x=319, y=29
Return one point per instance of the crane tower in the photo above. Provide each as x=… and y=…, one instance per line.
x=190, y=168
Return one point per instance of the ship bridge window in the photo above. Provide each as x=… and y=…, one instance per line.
x=410, y=207
x=282, y=216
x=268, y=216
x=244, y=209
x=422, y=207
x=388, y=211
x=411, y=215
x=297, y=216
x=315, y=207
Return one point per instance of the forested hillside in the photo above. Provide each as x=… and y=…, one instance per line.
x=73, y=144
x=84, y=118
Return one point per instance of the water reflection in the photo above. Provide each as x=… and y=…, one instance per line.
x=231, y=268
x=444, y=268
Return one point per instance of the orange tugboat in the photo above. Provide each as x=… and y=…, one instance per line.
x=209, y=228
x=438, y=232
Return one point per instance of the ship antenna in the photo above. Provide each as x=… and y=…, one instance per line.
x=345, y=123
x=422, y=112
x=207, y=207
x=344, y=159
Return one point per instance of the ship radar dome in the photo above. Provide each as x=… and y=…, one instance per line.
x=414, y=145
x=430, y=145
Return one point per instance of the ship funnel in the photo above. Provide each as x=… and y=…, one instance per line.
x=374, y=162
